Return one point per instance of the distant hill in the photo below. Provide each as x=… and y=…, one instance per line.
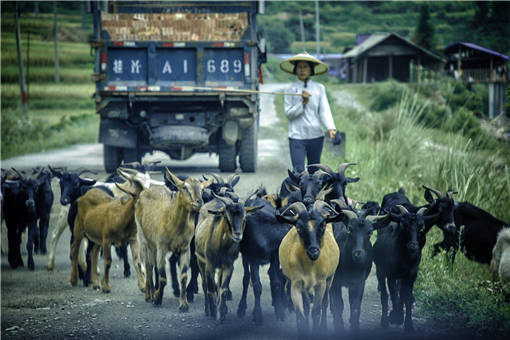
x=482, y=23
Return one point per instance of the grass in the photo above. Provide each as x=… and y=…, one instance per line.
x=394, y=149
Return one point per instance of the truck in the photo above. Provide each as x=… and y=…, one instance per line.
x=178, y=77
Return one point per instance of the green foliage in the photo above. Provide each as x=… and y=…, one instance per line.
x=310, y=47
x=395, y=148
x=424, y=32
x=452, y=20
x=386, y=95
x=278, y=35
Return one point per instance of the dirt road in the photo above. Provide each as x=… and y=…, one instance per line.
x=43, y=304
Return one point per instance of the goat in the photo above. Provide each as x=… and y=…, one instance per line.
x=165, y=222
x=261, y=240
x=43, y=204
x=220, y=187
x=106, y=220
x=441, y=208
x=353, y=239
x=479, y=235
x=500, y=263
x=219, y=231
x=397, y=256
x=309, y=256
x=337, y=181
x=19, y=210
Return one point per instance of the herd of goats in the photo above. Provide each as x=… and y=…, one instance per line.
x=313, y=237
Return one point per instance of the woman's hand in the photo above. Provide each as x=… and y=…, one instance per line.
x=306, y=96
x=332, y=133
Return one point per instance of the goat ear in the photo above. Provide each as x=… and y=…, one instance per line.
x=207, y=183
x=352, y=180
x=428, y=196
x=285, y=219
x=55, y=172
x=295, y=178
x=173, y=179
x=252, y=210
x=291, y=187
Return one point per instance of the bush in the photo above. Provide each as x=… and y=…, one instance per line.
x=386, y=95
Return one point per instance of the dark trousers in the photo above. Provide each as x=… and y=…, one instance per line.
x=299, y=148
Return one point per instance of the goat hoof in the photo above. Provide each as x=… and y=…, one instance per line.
x=384, y=323
x=190, y=297
x=184, y=308
x=241, y=311
x=31, y=266
x=96, y=287
x=106, y=290
x=408, y=328
x=257, y=318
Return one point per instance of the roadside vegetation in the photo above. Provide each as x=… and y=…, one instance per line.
x=60, y=114
x=409, y=135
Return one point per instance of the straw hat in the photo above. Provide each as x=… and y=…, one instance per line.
x=288, y=65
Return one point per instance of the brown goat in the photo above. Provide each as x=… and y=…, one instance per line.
x=218, y=235
x=106, y=220
x=309, y=256
x=166, y=223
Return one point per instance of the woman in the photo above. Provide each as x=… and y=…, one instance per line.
x=307, y=112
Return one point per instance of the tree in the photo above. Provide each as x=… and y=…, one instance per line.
x=424, y=32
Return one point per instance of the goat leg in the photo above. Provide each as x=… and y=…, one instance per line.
x=158, y=295
x=226, y=275
x=241, y=308
x=33, y=234
x=173, y=261
x=183, y=277
x=135, y=254
x=337, y=306
x=107, y=259
x=381, y=279
x=55, y=236
x=94, y=257
x=397, y=314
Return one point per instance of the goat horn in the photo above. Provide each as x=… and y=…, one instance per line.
x=437, y=192
x=322, y=167
x=375, y=218
x=421, y=211
x=402, y=209
x=350, y=214
x=321, y=195
x=342, y=167
x=225, y=200
x=450, y=193
x=129, y=170
x=341, y=203
x=296, y=208
x=218, y=179
x=18, y=173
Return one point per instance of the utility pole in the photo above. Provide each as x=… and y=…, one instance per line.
x=301, y=26
x=317, y=29
x=24, y=98
x=55, y=35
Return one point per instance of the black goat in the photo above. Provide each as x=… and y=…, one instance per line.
x=356, y=256
x=478, y=236
x=19, y=209
x=261, y=240
x=43, y=203
x=397, y=256
x=441, y=208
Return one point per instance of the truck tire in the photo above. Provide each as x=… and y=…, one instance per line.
x=112, y=156
x=227, y=155
x=131, y=155
x=248, y=149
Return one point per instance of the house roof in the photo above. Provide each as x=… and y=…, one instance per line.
x=377, y=38
x=451, y=48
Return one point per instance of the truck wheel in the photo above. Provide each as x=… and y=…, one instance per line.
x=131, y=155
x=248, y=149
x=112, y=156
x=227, y=155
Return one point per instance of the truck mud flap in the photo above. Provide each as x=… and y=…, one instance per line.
x=167, y=137
x=117, y=133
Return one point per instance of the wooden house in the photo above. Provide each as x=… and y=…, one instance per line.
x=471, y=63
x=382, y=56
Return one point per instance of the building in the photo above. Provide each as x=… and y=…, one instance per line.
x=471, y=63
x=383, y=56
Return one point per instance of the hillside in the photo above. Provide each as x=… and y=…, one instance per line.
x=483, y=24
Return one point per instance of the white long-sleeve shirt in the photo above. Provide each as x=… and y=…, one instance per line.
x=305, y=123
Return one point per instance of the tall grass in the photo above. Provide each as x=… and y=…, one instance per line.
x=394, y=149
